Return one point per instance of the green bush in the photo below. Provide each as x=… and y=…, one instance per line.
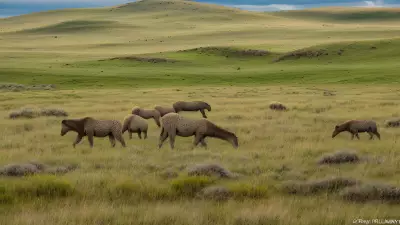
x=44, y=186
x=125, y=190
x=242, y=191
x=5, y=197
x=189, y=186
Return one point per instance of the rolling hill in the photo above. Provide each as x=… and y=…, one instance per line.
x=41, y=44
x=345, y=14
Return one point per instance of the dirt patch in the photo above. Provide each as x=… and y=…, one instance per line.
x=301, y=54
x=339, y=158
x=329, y=93
x=392, y=123
x=210, y=170
x=372, y=192
x=32, y=168
x=317, y=186
x=229, y=52
x=277, y=106
x=31, y=113
x=217, y=193
x=144, y=59
x=21, y=87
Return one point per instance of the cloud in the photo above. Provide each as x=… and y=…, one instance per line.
x=278, y=7
x=271, y=7
x=378, y=3
x=372, y=4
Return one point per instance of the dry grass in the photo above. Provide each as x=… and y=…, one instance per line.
x=210, y=170
x=316, y=187
x=218, y=193
x=114, y=185
x=30, y=113
x=33, y=168
x=372, y=192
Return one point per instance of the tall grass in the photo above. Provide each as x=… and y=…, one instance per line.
x=114, y=185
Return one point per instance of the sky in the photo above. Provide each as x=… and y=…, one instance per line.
x=18, y=7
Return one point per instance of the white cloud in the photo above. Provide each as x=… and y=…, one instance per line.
x=279, y=7
x=272, y=7
x=372, y=4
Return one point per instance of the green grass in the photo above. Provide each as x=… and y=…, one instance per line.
x=347, y=62
x=64, y=47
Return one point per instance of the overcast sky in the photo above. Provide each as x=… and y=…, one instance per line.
x=18, y=7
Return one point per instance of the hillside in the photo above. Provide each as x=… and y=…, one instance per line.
x=52, y=45
x=345, y=14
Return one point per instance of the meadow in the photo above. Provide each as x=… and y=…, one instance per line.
x=326, y=67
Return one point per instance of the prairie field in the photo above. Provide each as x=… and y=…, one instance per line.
x=325, y=65
x=273, y=147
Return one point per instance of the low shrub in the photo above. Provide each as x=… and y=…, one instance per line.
x=317, y=186
x=372, y=192
x=189, y=186
x=243, y=191
x=44, y=186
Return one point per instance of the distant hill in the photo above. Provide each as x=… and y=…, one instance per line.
x=326, y=44
x=150, y=26
x=344, y=14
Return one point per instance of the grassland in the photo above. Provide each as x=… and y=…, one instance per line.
x=105, y=61
x=269, y=141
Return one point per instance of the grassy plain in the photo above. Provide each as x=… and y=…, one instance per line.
x=274, y=147
x=72, y=49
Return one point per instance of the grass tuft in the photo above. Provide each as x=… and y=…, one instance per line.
x=21, y=87
x=19, y=170
x=242, y=191
x=339, y=158
x=5, y=197
x=210, y=170
x=392, y=122
x=31, y=113
x=32, y=168
x=277, y=106
x=53, y=112
x=128, y=190
x=372, y=192
x=315, y=187
x=215, y=192
x=189, y=186
x=46, y=186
